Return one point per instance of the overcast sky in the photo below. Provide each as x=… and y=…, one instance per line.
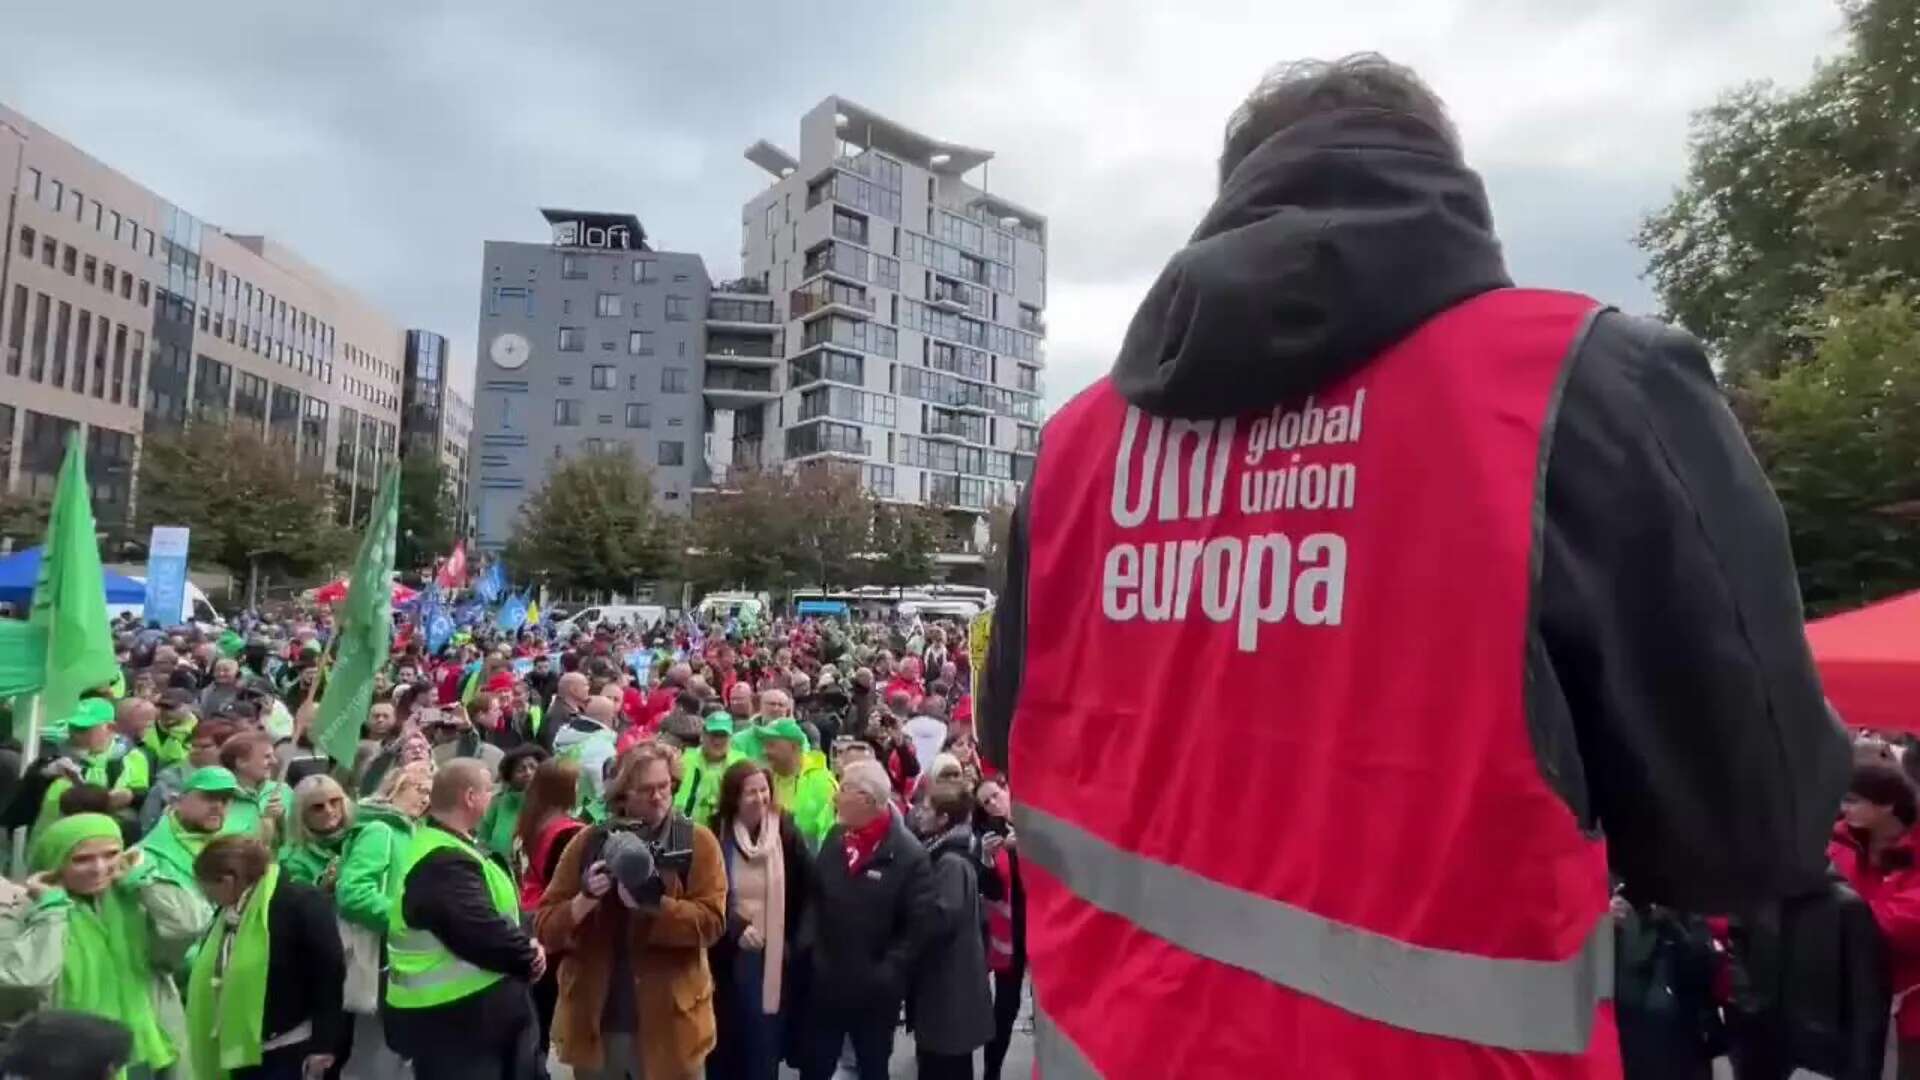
x=385, y=141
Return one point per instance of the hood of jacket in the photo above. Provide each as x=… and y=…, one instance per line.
x=377, y=809
x=1332, y=240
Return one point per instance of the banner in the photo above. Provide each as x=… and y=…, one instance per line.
x=979, y=632
x=167, y=576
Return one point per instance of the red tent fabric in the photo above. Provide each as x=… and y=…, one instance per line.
x=334, y=592
x=1869, y=661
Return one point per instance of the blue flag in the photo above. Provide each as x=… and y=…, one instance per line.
x=471, y=613
x=513, y=614
x=492, y=584
x=436, y=620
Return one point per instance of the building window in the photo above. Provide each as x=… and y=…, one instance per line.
x=90, y=270
x=640, y=342
x=645, y=271
x=99, y=215
x=879, y=481
x=506, y=297
x=676, y=309
x=673, y=452
x=673, y=380
x=16, y=330
x=33, y=184
x=607, y=305
x=566, y=412
x=126, y=285
x=572, y=269
x=604, y=377
x=49, y=250
x=26, y=242
x=69, y=261
x=639, y=414
x=572, y=339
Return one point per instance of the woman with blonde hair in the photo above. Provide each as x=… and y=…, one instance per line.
x=362, y=892
x=322, y=819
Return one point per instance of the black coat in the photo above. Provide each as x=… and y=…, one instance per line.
x=446, y=894
x=952, y=1007
x=306, y=966
x=865, y=929
x=1671, y=697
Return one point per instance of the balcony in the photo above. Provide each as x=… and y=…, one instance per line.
x=746, y=286
x=744, y=351
x=732, y=388
x=748, y=453
x=950, y=295
x=750, y=315
x=956, y=426
x=823, y=296
x=1032, y=322
x=850, y=229
x=837, y=259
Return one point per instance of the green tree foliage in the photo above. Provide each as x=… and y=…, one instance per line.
x=905, y=539
x=778, y=530
x=1839, y=435
x=23, y=518
x=593, y=527
x=427, y=527
x=1791, y=195
x=249, y=503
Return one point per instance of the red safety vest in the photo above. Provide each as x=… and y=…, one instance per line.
x=1279, y=807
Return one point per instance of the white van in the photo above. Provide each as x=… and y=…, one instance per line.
x=731, y=605
x=640, y=616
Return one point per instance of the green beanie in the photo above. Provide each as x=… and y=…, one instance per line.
x=57, y=841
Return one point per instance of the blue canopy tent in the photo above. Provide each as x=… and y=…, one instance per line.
x=20, y=571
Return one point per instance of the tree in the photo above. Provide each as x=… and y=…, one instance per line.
x=253, y=507
x=426, y=512
x=905, y=538
x=780, y=530
x=1793, y=195
x=1839, y=435
x=23, y=518
x=593, y=527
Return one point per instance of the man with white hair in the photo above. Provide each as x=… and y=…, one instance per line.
x=872, y=896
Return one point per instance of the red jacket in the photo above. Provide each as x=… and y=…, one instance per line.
x=1892, y=890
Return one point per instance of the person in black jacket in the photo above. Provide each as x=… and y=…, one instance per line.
x=872, y=890
x=489, y=1035
x=303, y=1020
x=1671, y=697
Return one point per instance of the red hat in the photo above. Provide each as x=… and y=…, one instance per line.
x=501, y=683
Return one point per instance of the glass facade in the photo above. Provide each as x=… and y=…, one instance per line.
x=825, y=436
x=827, y=364
x=852, y=333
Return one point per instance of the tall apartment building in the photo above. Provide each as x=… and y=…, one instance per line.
x=436, y=418
x=912, y=299
x=590, y=341
x=121, y=315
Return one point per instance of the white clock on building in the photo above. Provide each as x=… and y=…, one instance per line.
x=510, y=350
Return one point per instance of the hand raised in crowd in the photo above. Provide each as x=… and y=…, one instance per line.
x=276, y=807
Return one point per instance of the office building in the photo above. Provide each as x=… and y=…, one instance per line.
x=436, y=419
x=912, y=299
x=590, y=341
x=123, y=315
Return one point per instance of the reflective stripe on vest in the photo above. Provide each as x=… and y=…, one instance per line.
x=423, y=972
x=1536, y=1005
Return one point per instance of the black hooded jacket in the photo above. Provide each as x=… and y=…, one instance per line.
x=1670, y=694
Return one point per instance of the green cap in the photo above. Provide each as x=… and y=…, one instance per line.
x=785, y=728
x=719, y=723
x=91, y=714
x=213, y=780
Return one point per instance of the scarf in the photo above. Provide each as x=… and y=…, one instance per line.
x=864, y=842
x=227, y=992
x=105, y=967
x=760, y=876
x=173, y=849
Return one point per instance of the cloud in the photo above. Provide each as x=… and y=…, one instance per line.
x=386, y=142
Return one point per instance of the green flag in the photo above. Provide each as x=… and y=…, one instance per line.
x=363, y=633
x=70, y=599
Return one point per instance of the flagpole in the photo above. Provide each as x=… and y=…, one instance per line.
x=29, y=753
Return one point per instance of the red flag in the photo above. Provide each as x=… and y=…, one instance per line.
x=453, y=573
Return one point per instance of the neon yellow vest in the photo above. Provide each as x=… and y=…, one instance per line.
x=423, y=972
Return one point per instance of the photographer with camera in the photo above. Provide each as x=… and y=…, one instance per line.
x=631, y=909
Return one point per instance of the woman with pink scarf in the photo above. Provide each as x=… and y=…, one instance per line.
x=767, y=866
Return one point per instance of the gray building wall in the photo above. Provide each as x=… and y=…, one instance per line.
x=650, y=403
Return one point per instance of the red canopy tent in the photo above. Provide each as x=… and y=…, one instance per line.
x=333, y=592
x=1869, y=660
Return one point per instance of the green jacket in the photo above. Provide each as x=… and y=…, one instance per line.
x=503, y=817
x=699, y=792
x=169, y=748
x=808, y=796
x=172, y=850
x=362, y=890
x=33, y=950
x=247, y=813
x=306, y=862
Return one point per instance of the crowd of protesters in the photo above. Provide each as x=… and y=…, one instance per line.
x=658, y=852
